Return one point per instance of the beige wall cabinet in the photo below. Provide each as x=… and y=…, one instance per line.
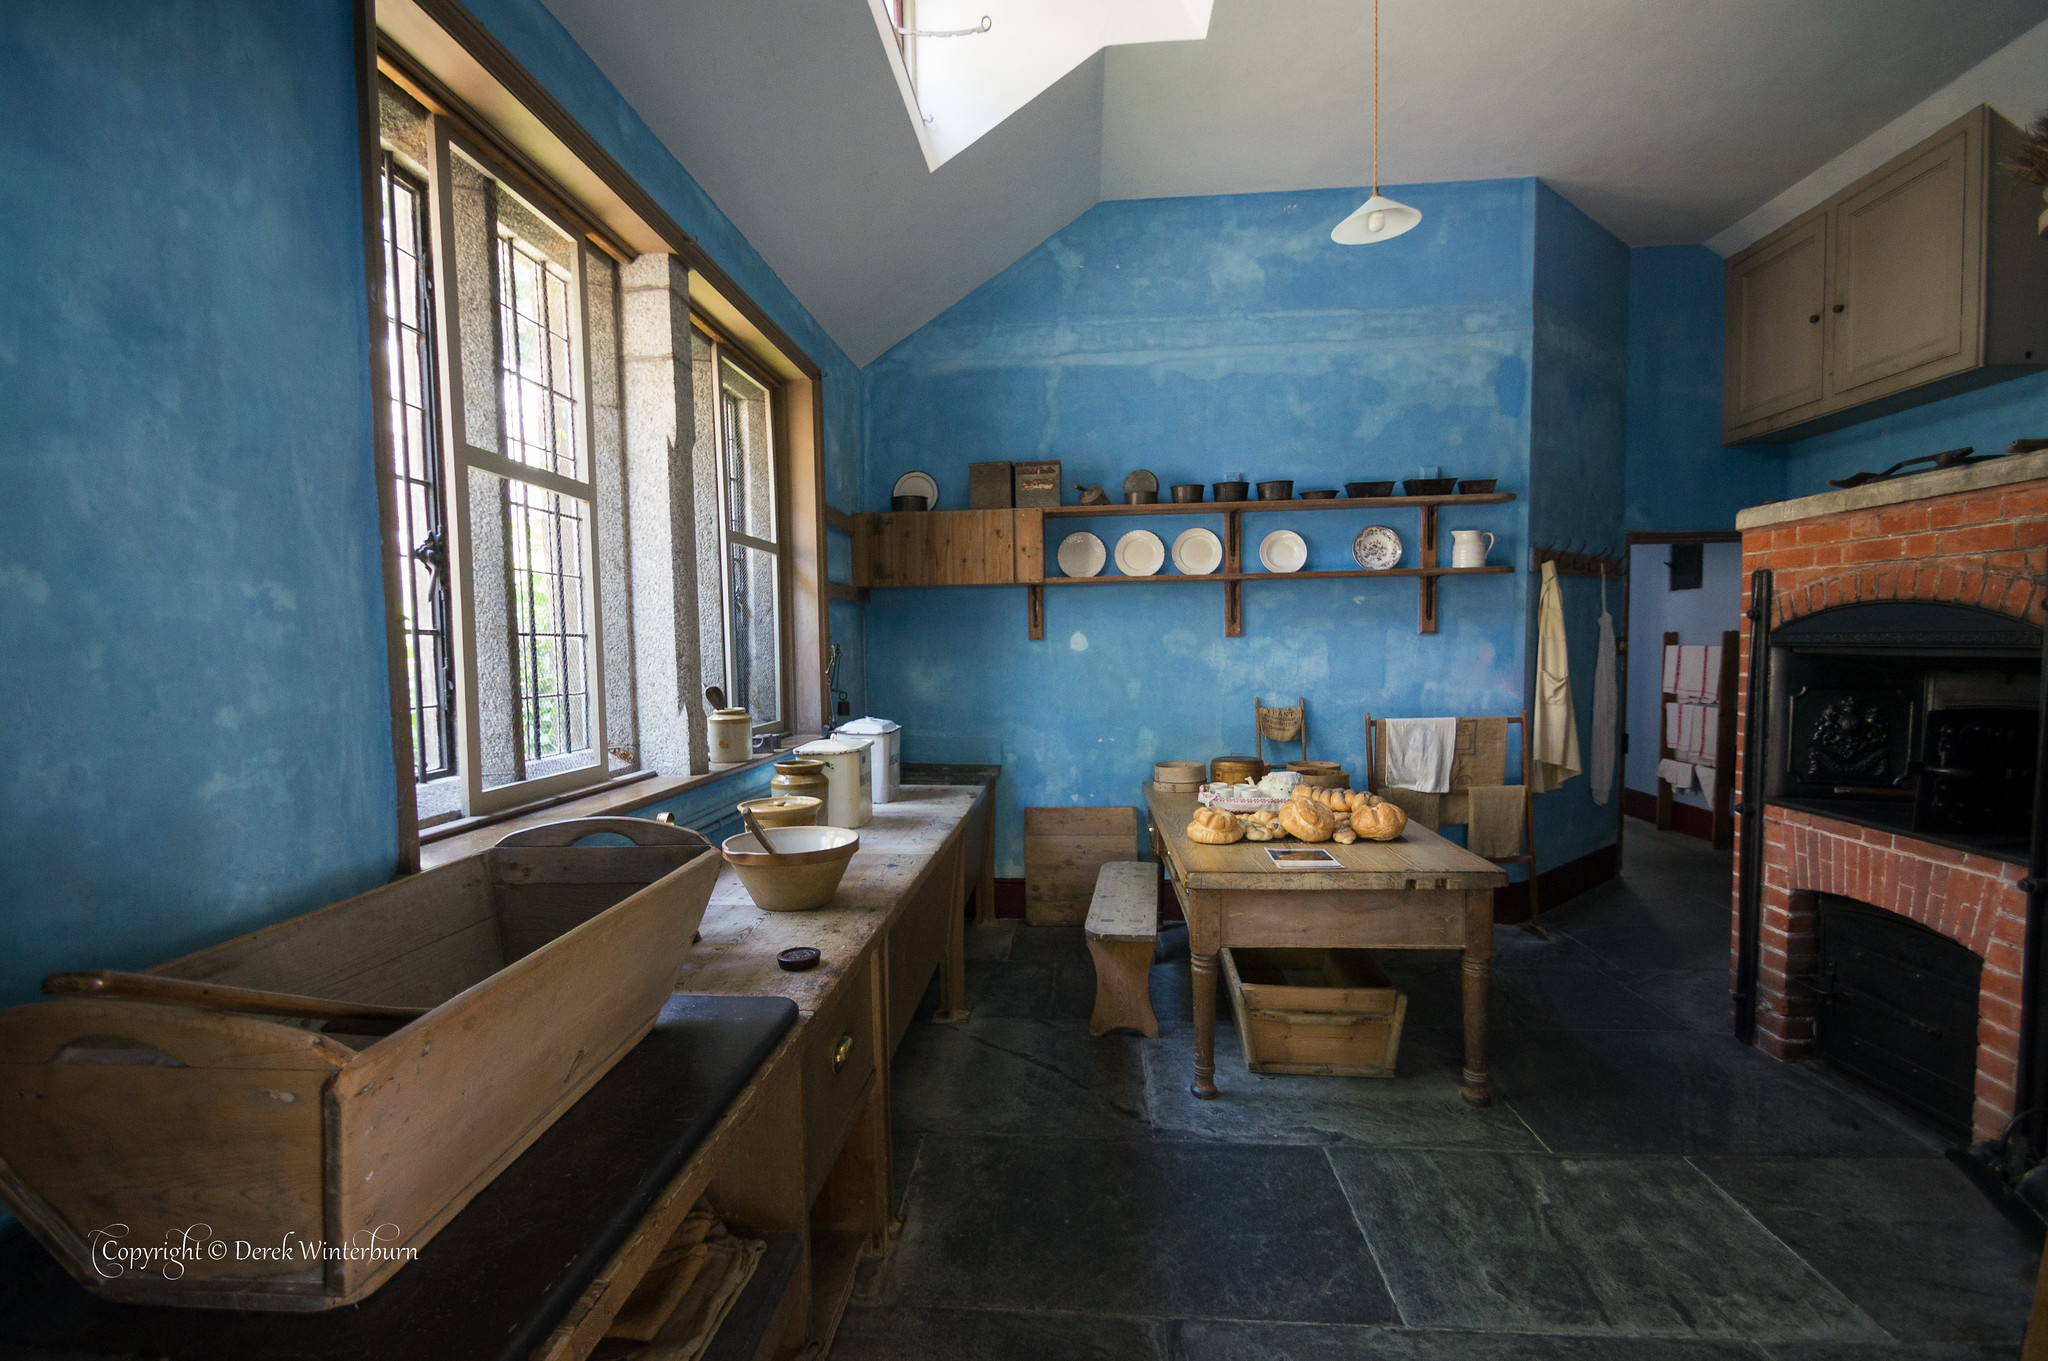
x=1922, y=279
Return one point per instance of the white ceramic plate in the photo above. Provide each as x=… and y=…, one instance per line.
x=1139, y=553
x=1197, y=552
x=1081, y=555
x=1376, y=548
x=1283, y=551
x=918, y=484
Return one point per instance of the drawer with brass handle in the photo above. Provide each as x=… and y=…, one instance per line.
x=838, y=1061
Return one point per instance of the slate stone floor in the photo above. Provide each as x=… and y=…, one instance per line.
x=1643, y=1189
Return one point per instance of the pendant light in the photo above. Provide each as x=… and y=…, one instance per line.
x=1379, y=218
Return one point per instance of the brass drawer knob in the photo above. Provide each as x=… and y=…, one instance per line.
x=841, y=1052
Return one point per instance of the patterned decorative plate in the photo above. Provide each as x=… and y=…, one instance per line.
x=1376, y=548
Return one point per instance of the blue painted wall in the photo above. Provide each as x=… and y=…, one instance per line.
x=1989, y=419
x=1577, y=472
x=1196, y=338
x=189, y=581
x=1679, y=475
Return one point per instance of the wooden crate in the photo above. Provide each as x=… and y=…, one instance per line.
x=1323, y=1012
x=136, y=1123
x=1064, y=849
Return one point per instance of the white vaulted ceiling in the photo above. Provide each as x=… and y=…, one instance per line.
x=1666, y=120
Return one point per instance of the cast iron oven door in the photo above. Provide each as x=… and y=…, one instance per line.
x=1898, y=1010
x=1979, y=772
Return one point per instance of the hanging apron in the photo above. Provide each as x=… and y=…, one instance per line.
x=1601, y=773
x=1554, y=743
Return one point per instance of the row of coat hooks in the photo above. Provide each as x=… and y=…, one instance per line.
x=1573, y=561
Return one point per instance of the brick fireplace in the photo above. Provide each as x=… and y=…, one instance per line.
x=1973, y=537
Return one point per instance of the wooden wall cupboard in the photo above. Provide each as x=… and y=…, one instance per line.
x=1922, y=279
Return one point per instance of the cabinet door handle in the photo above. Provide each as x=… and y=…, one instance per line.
x=1815, y=318
x=1840, y=305
x=841, y=1052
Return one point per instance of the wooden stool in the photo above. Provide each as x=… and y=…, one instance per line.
x=1123, y=929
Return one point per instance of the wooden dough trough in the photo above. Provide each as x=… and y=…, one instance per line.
x=136, y=1124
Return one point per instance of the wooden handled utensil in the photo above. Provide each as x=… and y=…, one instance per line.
x=760, y=834
x=356, y=1017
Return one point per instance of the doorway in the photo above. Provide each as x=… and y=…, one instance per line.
x=1685, y=588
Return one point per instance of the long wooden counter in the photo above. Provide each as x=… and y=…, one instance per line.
x=807, y=1149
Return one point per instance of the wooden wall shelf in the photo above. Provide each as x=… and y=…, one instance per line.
x=1007, y=548
x=1492, y=498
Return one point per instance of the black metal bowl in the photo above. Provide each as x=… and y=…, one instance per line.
x=1358, y=489
x=909, y=503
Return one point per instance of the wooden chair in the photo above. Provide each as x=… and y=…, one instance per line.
x=1376, y=779
x=1280, y=725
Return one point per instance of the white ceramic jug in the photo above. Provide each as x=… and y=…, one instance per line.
x=1466, y=550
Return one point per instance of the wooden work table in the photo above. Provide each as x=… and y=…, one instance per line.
x=1419, y=892
x=812, y=1156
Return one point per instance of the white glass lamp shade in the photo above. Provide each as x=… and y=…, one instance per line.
x=1379, y=218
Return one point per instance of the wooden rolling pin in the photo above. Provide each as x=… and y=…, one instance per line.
x=360, y=1017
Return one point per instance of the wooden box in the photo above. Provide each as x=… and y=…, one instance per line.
x=1064, y=849
x=1323, y=1012
x=989, y=486
x=1038, y=484
x=130, y=1125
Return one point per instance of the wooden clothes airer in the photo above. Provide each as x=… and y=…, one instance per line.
x=1376, y=779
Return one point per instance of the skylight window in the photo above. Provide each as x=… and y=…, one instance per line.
x=1002, y=54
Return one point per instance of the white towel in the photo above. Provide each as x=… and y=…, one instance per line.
x=1689, y=732
x=1670, y=668
x=1674, y=713
x=1707, y=752
x=1692, y=671
x=1706, y=774
x=1710, y=690
x=1677, y=774
x=1420, y=752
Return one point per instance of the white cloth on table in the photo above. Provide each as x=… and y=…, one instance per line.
x=1554, y=743
x=1601, y=772
x=1677, y=774
x=1420, y=753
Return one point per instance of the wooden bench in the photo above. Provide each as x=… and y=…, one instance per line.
x=1123, y=930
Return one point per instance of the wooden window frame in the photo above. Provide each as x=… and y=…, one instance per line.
x=723, y=350
x=462, y=460
x=446, y=58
